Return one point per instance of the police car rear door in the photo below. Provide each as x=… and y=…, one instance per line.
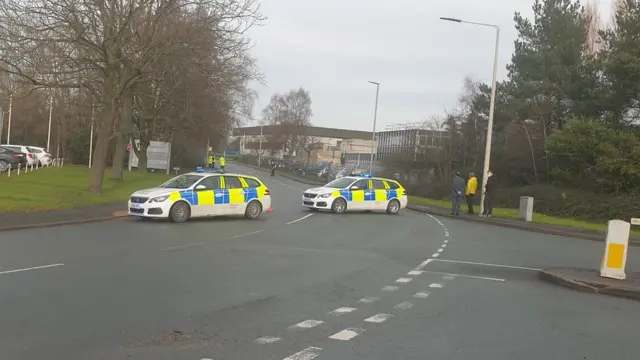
x=236, y=195
x=379, y=190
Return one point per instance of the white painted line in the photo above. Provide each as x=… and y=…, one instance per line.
x=404, y=280
x=30, y=268
x=405, y=305
x=302, y=218
x=435, y=255
x=307, y=324
x=448, y=277
x=486, y=264
x=182, y=246
x=346, y=334
x=446, y=241
x=415, y=272
x=440, y=250
x=390, y=288
x=378, y=318
x=368, y=300
x=421, y=295
x=306, y=354
x=342, y=311
x=444, y=245
x=435, y=285
x=267, y=340
x=466, y=276
x=247, y=234
x=423, y=264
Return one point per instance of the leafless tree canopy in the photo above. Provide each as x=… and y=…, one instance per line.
x=171, y=70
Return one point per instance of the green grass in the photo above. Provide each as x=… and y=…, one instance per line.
x=506, y=213
x=65, y=188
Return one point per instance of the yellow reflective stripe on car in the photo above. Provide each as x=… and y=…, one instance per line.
x=381, y=195
x=204, y=197
x=174, y=196
x=386, y=184
x=335, y=193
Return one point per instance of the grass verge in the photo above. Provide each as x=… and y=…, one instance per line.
x=506, y=213
x=66, y=188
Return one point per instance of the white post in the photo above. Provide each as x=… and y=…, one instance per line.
x=526, y=208
x=9, y=171
x=615, y=250
x=91, y=138
x=19, y=165
x=9, y=121
x=50, y=117
x=260, y=150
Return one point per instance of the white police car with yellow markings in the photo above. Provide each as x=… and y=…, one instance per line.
x=202, y=194
x=357, y=193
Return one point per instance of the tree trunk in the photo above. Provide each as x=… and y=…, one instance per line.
x=124, y=135
x=96, y=175
x=143, y=159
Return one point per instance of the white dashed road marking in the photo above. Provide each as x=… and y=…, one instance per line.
x=440, y=250
x=390, y=288
x=435, y=285
x=306, y=354
x=435, y=255
x=415, y=272
x=346, y=334
x=266, y=340
x=342, y=311
x=307, y=324
x=404, y=280
x=296, y=220
x=405, y=305
x=247, y=234
x=29, y=268
x=181, y=246
x=378, y=318
x=448, y=277
x=421, y=295
x=368, y=300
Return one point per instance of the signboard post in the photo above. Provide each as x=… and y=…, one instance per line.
x=158, y=155
x=1, y=121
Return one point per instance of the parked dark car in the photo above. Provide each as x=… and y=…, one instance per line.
x=11, y=158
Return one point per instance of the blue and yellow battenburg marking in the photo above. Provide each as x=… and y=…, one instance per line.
x=221, y=196
x=368, y=195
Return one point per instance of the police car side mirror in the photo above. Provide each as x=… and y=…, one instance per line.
x=201, y=187
x=354, y=187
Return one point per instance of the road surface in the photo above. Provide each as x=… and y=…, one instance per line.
x=297, y=285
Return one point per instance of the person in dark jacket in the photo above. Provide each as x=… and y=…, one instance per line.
x=489, y=193
x=457, y=194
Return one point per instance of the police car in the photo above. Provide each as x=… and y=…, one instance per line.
x=200, y=194
x=364, y=193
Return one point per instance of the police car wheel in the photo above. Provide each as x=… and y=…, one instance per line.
x=339, y=206
x=393, y=207
x=180, y=212
x=253, y=211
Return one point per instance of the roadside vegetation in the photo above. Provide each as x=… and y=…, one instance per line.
x=66, y=187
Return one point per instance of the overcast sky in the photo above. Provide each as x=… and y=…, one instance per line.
x=333, y=47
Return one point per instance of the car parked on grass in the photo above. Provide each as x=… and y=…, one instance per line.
x=32, y=159
x=44, y=158
x=10, y=159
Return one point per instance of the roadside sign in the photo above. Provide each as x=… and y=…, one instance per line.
x=635, y=221
x=158, y=156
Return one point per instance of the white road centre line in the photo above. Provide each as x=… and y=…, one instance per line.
x=487, y=264
x=342, y=311
x=182, y=246
x=368, y=300
x=423, y=264
x=446, y=241
x=435, y=255
x=421, y=295
x=444, y=245
x=247, y=234
x=465, y=276
x=267, y=340
x=390, y=288
x=405, y=305
x=29, y=269
x=440, y=250
x=378, y=318
x=306, y=354
x=346, y=334
x=307, y=324
x=448, y=277
x=435, y=285
x=415, y=272
x=296, y=220
x=404, y=280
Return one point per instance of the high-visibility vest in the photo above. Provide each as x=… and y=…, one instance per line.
x=210, y=159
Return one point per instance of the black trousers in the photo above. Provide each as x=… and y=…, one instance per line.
x=470, y=199
x=488, y=204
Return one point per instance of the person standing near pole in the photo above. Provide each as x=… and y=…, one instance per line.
x=458, y=188
x=211, y=161
x=470, y=192
x=221, y=161
x=489, y=193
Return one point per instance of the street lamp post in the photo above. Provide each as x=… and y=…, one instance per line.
x=487, y=151
x=373, y=135
x=260, y=150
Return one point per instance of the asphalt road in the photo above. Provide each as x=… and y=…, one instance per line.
x=298, y=286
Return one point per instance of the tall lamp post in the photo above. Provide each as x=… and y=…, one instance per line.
x=487, y=151
x=373, y=134
x=260, y=150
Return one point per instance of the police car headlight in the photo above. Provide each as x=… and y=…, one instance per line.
x=324, y=196
x=159, y=199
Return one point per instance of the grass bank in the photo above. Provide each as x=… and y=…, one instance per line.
x=66, y=188
x=508, y=213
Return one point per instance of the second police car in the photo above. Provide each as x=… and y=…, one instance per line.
x=358, y=193
x=201, y=194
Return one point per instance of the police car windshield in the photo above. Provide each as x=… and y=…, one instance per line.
x=181, y=182
x=340, y=183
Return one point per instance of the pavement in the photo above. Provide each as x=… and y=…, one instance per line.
x=590, y=280
x=26, y=220
x=303, y=285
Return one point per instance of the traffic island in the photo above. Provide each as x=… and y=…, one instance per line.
x=589, y=280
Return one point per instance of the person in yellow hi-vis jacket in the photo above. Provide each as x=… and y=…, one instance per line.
x=470, y=192
x=212, y=161
x=221, y=161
